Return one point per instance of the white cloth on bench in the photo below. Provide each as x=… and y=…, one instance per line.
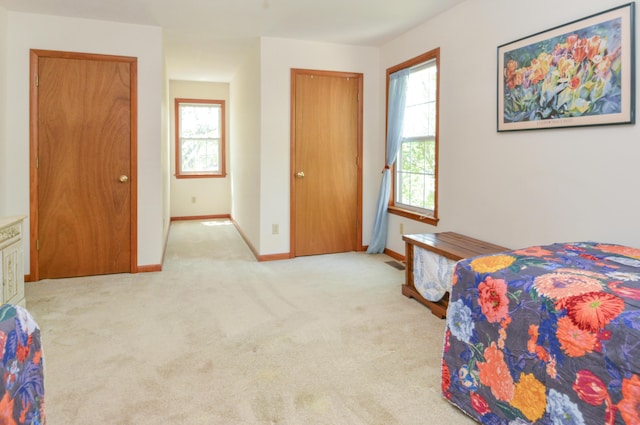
x=432, y=273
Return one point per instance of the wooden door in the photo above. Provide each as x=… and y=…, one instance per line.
x=326, y=175
x=83, y=145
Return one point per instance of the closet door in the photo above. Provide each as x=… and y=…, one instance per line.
x=85, y=180
x=326, y=173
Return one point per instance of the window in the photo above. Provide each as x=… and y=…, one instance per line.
x=415, y=175
x=200, y=138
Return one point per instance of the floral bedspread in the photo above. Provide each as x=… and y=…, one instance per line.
x=547, y=335
x=22, y=368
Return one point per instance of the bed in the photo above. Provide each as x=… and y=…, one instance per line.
x=547, y=334
x=21, y=368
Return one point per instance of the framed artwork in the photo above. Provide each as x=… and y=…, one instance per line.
x=578, y=74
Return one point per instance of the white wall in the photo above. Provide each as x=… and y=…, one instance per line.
x=3, y=110
x=213, y=195
x=278, y=56
x=245, y=149
x=517, y=188
x=31, y=31
x=165, y=155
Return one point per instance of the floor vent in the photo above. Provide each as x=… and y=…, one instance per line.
x=396, y=265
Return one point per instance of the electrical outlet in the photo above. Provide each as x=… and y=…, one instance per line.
x=193, y=199
x=402, y=228
x=274, y=229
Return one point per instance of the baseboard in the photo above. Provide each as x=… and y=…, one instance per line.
x=149, y=268
x=390, y=253
x=201, y=217
x=274, y=257
x=394, y=254
x=166, y=242
x=244, y=237
x=254, y=251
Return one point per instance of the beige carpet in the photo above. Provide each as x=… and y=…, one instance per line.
x=219, y=338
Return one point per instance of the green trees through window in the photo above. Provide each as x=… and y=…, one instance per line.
x=199, y=138
x=415, y=171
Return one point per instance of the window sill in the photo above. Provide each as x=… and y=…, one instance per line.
x=427, y=219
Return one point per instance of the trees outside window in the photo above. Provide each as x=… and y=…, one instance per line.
x=415, y=186
x=200, y=138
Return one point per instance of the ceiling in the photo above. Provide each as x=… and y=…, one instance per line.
x=205, y=40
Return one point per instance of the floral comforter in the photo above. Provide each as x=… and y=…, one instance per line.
x=548, y=335
x=22, y=368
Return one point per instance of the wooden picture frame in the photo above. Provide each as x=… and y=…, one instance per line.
x=578, y=74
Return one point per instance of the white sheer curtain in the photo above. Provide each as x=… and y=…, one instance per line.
x=397, y=103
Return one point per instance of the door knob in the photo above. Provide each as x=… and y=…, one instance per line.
x=123, y=179
x=300, y=174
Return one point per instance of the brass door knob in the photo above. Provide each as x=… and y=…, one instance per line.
x=123, y=179
x=300, y=174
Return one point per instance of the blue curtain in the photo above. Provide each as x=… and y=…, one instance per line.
x=397, y=102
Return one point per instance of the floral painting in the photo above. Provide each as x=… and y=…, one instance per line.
x=546, y=335
x=578, y=74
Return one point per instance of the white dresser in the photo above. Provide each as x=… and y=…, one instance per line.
x=12, y=259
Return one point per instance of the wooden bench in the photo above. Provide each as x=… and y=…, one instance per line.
x=450, y=245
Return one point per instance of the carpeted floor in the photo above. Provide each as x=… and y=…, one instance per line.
x=219, y=338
